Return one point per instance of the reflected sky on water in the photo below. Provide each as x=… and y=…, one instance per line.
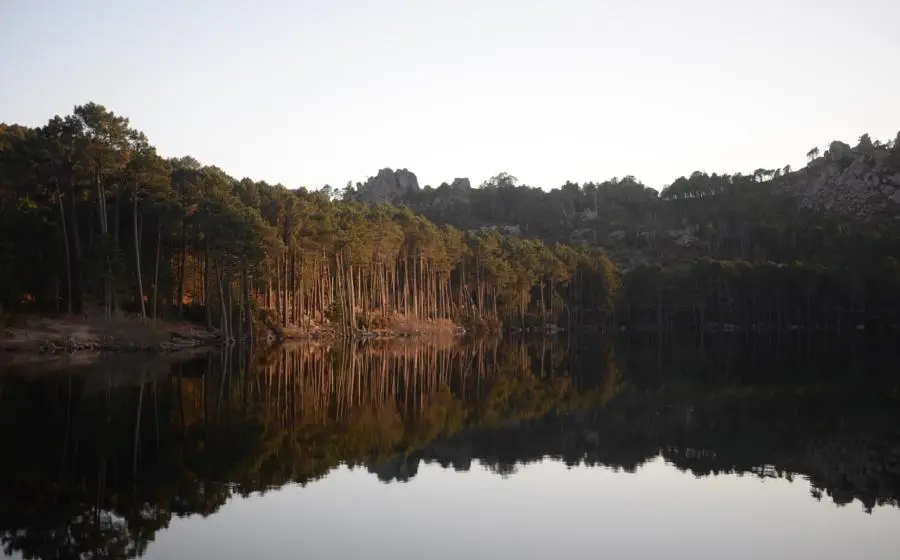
x=545, y=510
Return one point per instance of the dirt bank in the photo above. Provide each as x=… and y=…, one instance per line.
x=45, y=335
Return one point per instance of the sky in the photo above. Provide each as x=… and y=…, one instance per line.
x=308, y=93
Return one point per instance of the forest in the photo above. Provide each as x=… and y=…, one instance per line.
x=94, y=220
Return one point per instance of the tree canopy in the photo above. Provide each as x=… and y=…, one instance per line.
x=92, y=217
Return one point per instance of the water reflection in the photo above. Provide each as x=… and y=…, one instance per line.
x=546, y=510
x=99, y=461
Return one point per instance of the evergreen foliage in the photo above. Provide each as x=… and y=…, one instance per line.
x=92, y=216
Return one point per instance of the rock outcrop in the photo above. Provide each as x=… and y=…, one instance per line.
x=387, y=186
x=461, y=184
x=857, y=183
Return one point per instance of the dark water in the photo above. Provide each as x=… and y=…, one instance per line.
x=742, y=448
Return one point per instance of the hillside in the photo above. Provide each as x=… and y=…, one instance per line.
x=772, y=215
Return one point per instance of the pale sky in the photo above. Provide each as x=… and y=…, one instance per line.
x=315, y=92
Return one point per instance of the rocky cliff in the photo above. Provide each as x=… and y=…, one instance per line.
x=862, y=182
x=387, y=186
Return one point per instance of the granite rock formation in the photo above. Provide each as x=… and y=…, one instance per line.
x=387, y=186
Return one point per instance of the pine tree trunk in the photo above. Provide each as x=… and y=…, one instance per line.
x=351, y=299
x=227, y=279
x=248, y=310
x=285, y=288
x=112, y=280
x=224, y=319
x=206, y=284
x=62, y=218
x=156, y=269
x=182, y=269
x=384, y=296
x=77, y=294
x=101, y=215
x=137, y=254
x=406, y=290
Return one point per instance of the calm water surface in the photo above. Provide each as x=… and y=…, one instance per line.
x=741, y=448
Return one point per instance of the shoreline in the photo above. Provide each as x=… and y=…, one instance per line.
x=116, y=335
x=30, y=363
x=41, y=338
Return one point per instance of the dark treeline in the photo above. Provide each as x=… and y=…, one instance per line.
x=762, y=249
x=111, y=456
x=765, y=216
x=720, y=294
x=92, y=217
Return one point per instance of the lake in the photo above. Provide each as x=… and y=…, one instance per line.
x=733, y=446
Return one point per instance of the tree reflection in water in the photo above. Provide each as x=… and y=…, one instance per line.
x=98, y=460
